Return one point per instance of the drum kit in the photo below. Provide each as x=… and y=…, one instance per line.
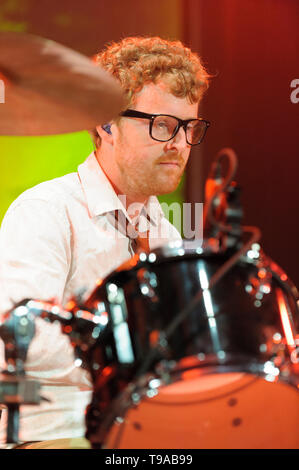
x=192, y=345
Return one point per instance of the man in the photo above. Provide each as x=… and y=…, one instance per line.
x=63, y=235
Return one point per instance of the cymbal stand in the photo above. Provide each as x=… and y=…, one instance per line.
x=17, y=331
x=15, y=389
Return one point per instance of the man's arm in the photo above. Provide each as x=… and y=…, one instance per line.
x=35, y=257
x=35, y=252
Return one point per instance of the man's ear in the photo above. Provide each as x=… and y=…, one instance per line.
x=105, y=132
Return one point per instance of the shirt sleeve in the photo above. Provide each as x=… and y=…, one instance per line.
x=34, y=253
x=34, y=263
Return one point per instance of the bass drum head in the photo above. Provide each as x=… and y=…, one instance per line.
x=219, y=411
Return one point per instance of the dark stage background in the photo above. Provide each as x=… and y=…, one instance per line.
x=251, y=46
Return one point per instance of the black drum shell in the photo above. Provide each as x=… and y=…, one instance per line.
x=236, y=325
x=241, y=326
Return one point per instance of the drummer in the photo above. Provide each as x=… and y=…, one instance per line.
x=61, y=236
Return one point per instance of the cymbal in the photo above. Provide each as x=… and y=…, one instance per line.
x=51, y=89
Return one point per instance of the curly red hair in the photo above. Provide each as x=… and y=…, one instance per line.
x=136, y=61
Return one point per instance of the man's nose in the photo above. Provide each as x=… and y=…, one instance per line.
x=179, y=140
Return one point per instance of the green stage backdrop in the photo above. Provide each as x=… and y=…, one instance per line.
x=85, y=27
x=27, y=161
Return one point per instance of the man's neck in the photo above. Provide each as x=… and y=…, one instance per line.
x=133, y=202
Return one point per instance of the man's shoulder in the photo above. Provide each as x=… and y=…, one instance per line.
x=57, y=191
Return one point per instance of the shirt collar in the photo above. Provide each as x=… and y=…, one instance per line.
x=154, y=209
x=100, y=195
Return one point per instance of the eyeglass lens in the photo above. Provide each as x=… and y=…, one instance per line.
x=164, y=127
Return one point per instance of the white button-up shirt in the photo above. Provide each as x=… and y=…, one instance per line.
x=57, y=239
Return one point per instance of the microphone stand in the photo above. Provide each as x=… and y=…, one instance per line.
x=223, y=210
x=17, y=332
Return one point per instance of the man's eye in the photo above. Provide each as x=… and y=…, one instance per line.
x=163, y=124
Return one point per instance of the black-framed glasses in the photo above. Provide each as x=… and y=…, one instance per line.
x=164, y=127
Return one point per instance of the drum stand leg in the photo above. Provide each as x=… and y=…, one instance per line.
x=15, y=391
x=13, y=423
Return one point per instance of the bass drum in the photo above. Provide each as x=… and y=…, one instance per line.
x=169, y=372
x=223, y=411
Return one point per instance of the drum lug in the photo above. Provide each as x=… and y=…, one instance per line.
x=259, y=285
x=148, y=283
x=119, y=318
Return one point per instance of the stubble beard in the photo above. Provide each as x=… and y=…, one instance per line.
x=143, y=181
